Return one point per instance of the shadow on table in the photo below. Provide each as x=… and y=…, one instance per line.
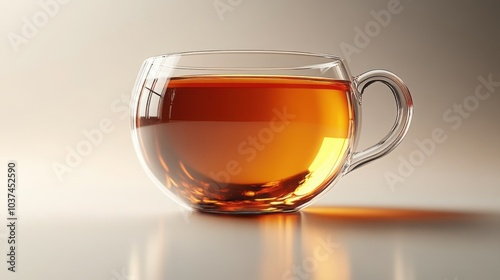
x=322, y=243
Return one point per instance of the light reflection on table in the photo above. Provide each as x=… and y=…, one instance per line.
x=317, y=243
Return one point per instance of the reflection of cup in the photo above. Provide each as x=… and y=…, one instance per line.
x=254, y=131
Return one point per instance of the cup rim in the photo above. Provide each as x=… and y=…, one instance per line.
x=330, y=60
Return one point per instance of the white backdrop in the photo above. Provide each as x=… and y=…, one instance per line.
x=67, y=69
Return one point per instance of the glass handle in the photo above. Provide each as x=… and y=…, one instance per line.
x=404, y=105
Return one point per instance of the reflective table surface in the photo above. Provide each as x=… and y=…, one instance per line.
x=316, y=243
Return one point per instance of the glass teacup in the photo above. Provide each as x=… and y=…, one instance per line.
x=254, y=131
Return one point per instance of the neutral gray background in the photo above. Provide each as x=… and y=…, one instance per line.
x=78, y=68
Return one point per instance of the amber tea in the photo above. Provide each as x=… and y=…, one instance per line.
x=246, y=143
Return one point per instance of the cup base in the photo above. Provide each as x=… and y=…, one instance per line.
x=243, y=210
